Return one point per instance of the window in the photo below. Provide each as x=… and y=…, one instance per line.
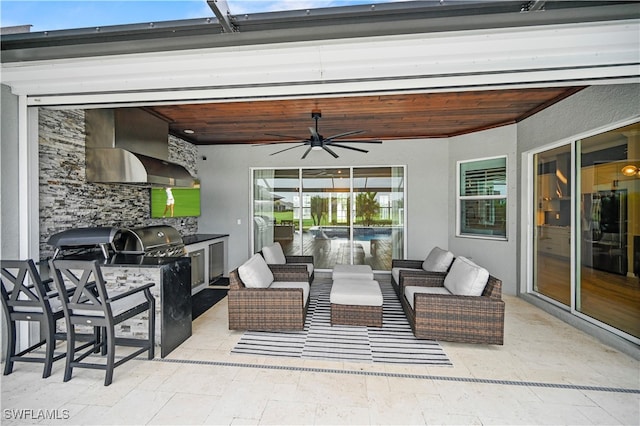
x=341, y=215
x=482, y=198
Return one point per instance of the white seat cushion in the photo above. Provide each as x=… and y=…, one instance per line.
x=352, y=272
x=273, y=254
x=395, y=273
x=294, y=284
x=255, y=273
x=411, y=290
x=438, y=260
x=357, y=292
x=466, y=278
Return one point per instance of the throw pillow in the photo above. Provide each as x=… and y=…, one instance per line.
x=255, y=273
x=438, y=260
x=273, y=254
x=466, y=278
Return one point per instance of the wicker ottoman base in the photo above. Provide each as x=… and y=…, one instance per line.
x=356, y=315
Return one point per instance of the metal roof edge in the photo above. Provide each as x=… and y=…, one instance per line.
x=281, y=27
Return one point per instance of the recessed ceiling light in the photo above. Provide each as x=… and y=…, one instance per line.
x=189, y=131
x=629, y=170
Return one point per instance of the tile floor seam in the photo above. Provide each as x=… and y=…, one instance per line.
x=406, y=376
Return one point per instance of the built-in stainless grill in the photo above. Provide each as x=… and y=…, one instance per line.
x=150, y=241
x=79, y=240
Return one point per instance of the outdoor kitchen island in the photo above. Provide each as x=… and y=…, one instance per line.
x=172, y=291
x=133, y=257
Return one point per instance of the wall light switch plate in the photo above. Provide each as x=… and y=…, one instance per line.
x=239, y=221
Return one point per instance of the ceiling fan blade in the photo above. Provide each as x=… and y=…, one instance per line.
x=283, y=136
x=339, y=135
x=287, y=149
x=314, y=134
x=330, y=151
x=348, y=147
x=357, y=141
x=306, y=153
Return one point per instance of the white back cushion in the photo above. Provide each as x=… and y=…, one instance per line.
x=255, y=273
x=466, y=278
x=273, y=254
x=438, y=260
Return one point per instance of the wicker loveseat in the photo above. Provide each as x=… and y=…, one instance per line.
x=278, y=301
x=434, y=312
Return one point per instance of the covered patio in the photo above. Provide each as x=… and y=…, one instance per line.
x=547, y=372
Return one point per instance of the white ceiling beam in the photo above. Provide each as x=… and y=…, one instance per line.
x=576, y=54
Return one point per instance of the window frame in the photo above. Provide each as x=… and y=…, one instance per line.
x=460, y=198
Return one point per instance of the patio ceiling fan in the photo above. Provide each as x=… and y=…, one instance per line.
x=318, y=142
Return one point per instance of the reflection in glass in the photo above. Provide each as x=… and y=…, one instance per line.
x=326, y=203
x=338, y=215
x=483, y=198
x=552, y=245
x=609, y=228
x=275, y=197
x=379, y=216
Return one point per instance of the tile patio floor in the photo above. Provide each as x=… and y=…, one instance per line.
x=547, y=372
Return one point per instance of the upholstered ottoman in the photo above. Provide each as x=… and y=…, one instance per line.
x=356, y=302
x=352, y=272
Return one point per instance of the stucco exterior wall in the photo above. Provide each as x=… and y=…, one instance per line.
x=498, y=256
x=9, y=231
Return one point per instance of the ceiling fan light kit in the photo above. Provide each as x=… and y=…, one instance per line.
x=317, y=142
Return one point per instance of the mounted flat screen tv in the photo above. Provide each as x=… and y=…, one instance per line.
x=186, y=202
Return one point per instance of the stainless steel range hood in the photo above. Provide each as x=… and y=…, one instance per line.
x=130, y=146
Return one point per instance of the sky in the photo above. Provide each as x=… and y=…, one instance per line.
x=49, y=15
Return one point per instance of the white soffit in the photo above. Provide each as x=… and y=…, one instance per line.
x=575, y=54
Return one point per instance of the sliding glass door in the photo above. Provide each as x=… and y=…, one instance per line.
x=378, y=229
x=552, y=242
x=326, y=200
x=608, y=287
x=586, y=245
x=342, y=215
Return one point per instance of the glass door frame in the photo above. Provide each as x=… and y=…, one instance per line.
x=529, y=223
x=352, y=197
x=530, y=211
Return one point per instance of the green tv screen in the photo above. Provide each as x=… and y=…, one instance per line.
x=186, y=202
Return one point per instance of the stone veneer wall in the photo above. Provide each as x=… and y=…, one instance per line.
x=67, y=200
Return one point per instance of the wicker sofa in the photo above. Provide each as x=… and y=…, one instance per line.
x=434, y=312
x=279, y=302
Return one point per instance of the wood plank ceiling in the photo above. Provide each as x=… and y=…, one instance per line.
x=388, y=117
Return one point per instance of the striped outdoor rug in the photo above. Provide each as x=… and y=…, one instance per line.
x=393, y=343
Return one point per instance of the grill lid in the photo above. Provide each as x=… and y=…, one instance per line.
x=157, y=240
x=102, y=237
